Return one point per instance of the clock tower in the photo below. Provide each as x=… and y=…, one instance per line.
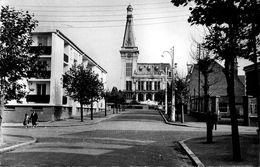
x=129, y=53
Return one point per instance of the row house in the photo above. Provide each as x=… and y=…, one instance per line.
x=45, y=88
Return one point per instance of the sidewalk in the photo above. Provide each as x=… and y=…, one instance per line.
x=12, y=142
x=75, y=121
x=192, y=122
x=219, y=153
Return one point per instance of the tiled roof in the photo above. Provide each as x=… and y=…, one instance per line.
x=217, y=82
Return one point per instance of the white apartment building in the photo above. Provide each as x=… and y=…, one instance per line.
x=45, y=88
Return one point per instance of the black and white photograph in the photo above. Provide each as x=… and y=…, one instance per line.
x=129, y=83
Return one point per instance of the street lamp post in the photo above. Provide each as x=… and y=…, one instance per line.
x=171, y=53
x=166, y=101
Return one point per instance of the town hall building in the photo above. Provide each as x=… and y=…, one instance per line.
x=140, y=80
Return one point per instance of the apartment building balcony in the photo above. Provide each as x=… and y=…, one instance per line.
x=39, y=74
x=64, y=100
x=66, y=58
x=42, y=50
x=38, y=98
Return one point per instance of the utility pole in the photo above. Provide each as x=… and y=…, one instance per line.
x=173, y=86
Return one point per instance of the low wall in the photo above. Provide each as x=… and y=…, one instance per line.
x=199, y=116
x=140, y=106
x=15, y=113
x=87, y=111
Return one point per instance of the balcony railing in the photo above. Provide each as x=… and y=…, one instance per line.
x=41, y=50
x=39, y=74
x=38, y=98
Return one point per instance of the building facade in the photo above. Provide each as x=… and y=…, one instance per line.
x=217, y=90
x=45, y=88
x=251, y=84
x=252, y=87
x=140, y=80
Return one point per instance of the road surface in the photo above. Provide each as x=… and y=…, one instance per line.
x=134, y=138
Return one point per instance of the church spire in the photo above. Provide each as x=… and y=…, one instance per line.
x=129, y=40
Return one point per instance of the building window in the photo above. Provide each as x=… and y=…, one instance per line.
x=128, y=85
x=41, y=89
x=128, y=69
x=149, y=85
x=128, y=95
x=140, y=97
x=43, y=65
x=170, y=74
x=66, y=58
x=223, y=107
x=140, y=85
x=76, y=55
x=149, y=96
x=42, y=40
x=157, y=85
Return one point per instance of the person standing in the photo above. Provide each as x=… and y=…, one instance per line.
x=34, y=119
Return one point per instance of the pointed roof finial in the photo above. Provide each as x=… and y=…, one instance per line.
x=129, y=40
x=129, y=11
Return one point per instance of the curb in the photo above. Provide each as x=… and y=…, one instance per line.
x=171, y=123
x=92, y=123
x=11, y=148
x=34, y=140
x=195, y=160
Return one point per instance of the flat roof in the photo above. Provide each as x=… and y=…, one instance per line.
x=65, y=38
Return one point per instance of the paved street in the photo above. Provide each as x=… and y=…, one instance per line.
x=134, y=138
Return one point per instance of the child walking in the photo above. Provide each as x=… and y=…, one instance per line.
x=26, y=120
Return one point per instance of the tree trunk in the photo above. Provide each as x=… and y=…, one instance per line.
x=1, y=117
x=2, y=99
x=182, y=113
x=105, y=107
x=209, y=129
x=209, y=121
x=81, y=112
x=91, y=117
x=229, y=67
x=114, y=108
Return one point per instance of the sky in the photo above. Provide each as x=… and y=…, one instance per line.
x=97, y=27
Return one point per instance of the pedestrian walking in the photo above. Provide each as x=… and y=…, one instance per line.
x=26, y=120
x=34, y=119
